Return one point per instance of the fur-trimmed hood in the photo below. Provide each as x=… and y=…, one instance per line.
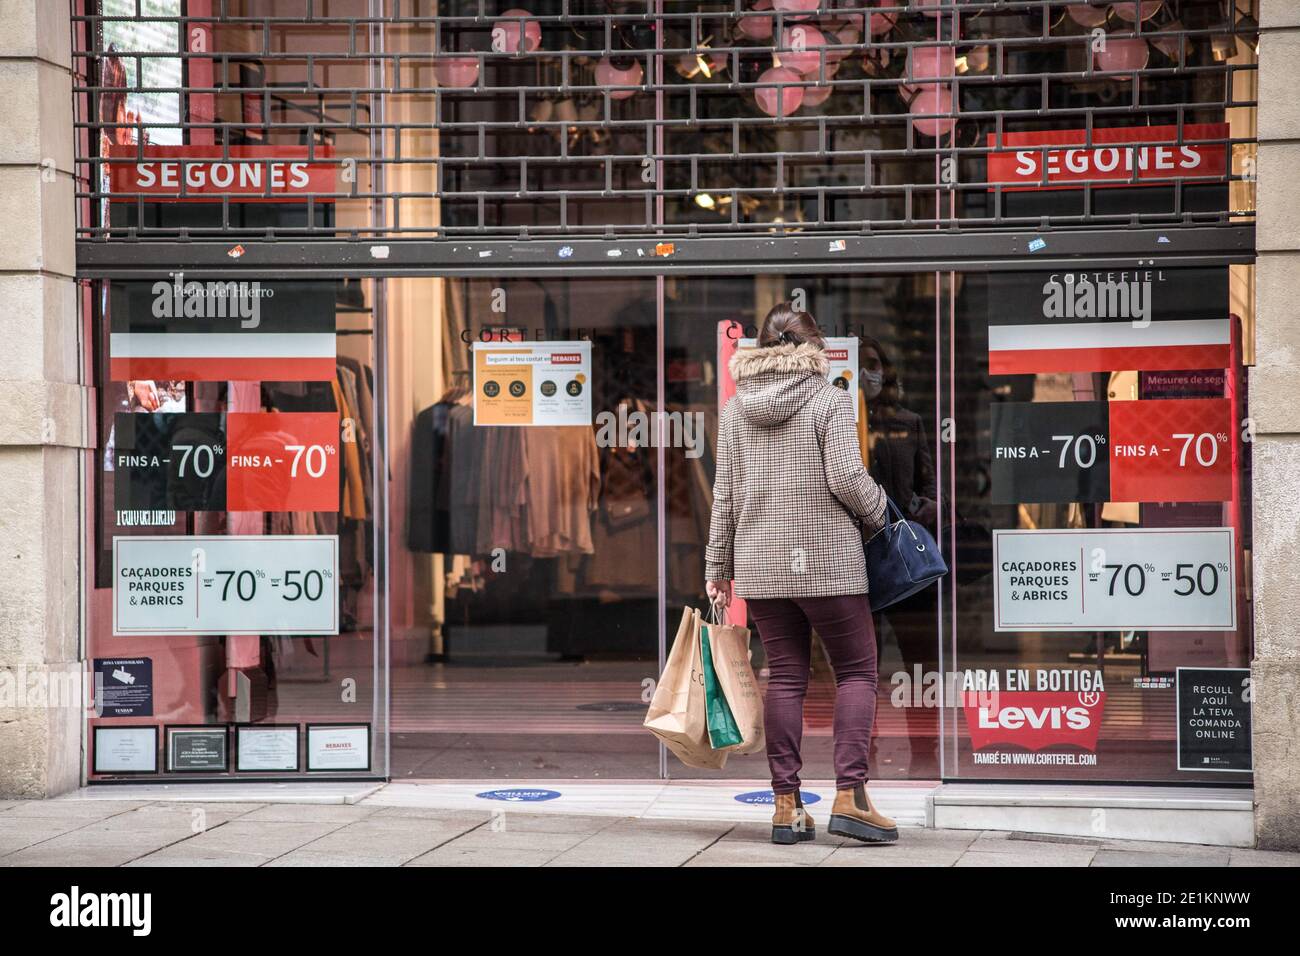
x=773, y=383
x=803, y=359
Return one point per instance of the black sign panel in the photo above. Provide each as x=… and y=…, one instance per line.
x=1107, y=295
x=198, y=750
x=1214, y=718
x=169, y=461
x=175, y=303
x=124, y=686
x=1050, y=451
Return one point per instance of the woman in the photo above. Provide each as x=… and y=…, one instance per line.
x=788, y=498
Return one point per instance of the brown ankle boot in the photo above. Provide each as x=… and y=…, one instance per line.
x=790, y=822
x=854, y=816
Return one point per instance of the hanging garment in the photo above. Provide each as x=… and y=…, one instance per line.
x=354, y=495
x=501, y=505
x=429, y=521
x=360, y=431
x=626, y=534
x=463, y=464
x=561, y=466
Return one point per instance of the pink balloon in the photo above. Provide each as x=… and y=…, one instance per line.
x=1122, y=55
x=607, y=74
x=507, y=32
x=795, y=6
x=883, y=22
x=817, y=95
x=808, y=37
x=791, y=97
x=1168, y=44
x=933, y=98
x=1129, y=11
x=848, y=36
x=931, y=62
x=456, y=71
x=758, y=28
x=1087, y=16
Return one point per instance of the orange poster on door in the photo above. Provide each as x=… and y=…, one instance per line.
x=543, y=383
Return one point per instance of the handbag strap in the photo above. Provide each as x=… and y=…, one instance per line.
x=902, y=518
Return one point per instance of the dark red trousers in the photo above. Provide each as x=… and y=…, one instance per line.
x=785, y=627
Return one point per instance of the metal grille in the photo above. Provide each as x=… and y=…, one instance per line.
x=658, y=117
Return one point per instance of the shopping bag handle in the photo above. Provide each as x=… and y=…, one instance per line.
x=717, y=613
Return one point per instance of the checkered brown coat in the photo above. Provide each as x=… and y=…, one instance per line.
x=789, y=478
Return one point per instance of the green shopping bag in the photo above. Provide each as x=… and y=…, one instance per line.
x=723, y=731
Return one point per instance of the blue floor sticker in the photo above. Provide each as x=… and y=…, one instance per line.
x=519, y=795
x=766, y=798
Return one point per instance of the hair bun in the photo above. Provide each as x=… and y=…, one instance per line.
x=784, y=326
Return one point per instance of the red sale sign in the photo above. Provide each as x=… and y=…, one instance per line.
x=1034, y=719
x=282, y=461
x=1058, y=159
x=1171, y=450
x=208, y=174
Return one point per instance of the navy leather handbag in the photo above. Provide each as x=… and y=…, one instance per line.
x=902, y=558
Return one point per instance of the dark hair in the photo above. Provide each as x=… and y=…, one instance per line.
x=784, y=325
x=889, y=391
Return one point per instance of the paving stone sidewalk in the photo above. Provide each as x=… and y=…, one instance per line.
x=130, y=833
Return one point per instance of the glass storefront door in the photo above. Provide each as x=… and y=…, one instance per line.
x=879, y=324
x=525, y=523
x=518, y=654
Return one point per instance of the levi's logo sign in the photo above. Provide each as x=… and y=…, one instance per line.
x=210, y=174
x=1034, y=719
x=1057, y=159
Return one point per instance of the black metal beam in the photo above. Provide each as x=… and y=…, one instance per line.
x=885, y=253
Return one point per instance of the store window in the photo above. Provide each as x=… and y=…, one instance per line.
x=506, y=569
x=237, y=487
x=1099, y=523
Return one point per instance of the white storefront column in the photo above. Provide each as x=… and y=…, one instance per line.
x=43, y=420
x=1275, y=386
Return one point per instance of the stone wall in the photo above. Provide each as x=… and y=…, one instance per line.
x=43, y=408
x=1275, y=408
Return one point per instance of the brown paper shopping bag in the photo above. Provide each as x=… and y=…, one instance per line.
x=677, y=710
x=729, y=644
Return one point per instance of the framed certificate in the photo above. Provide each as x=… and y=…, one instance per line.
x=126, y=750
x=338, y=747
x=266, y=748
x=196, y=749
